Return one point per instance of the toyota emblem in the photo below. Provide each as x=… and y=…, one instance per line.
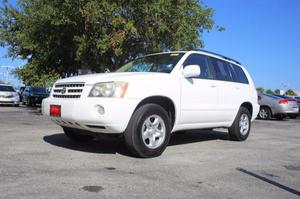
x=63, y=90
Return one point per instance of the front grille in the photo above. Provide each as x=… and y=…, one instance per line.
x=68, y=90
x=66, y=96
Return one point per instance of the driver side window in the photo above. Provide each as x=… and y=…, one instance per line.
x=202, y=62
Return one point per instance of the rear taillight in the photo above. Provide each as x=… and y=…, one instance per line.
x=285, y=101
x=55, y=111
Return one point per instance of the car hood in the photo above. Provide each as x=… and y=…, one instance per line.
x=116, y=76
x=6, y=93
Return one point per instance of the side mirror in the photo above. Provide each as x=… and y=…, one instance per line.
x=191, y=71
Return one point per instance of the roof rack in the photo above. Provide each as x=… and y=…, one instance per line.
x=224, y=57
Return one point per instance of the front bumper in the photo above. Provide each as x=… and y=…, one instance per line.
x=83, y=113
x=13, y=100
x=36, y=99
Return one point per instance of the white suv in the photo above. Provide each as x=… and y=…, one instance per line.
x=149, y=98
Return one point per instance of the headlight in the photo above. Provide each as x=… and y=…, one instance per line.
x=109, y=89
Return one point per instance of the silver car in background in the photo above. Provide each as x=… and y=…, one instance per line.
x=272, y=106
x=8, y=95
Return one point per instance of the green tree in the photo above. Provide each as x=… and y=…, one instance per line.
x=260, y=90
x=290, y=92
x=269, y=91
x=277, y=91
x=61, y=36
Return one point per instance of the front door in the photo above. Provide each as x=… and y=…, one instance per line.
x=199, y=95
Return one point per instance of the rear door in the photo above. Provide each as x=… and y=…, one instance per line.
x=199, y=96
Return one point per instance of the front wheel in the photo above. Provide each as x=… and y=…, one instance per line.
x=74, y=135
x=241, y=126
x=148, y=132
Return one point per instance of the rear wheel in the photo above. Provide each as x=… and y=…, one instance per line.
x=241, y=126
x=148, y=132
x=265, y=113
x=74, y=135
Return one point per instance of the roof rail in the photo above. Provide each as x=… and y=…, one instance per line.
x=224, y=57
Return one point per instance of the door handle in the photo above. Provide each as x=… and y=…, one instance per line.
x=237, y=87
x=213, y=86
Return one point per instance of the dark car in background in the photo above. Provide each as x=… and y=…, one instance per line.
x=32, y=96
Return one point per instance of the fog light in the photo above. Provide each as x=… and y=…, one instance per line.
x=100, y=109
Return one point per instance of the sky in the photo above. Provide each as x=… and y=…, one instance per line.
x=264, y=35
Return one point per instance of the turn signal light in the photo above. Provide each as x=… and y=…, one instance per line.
x=55, y=110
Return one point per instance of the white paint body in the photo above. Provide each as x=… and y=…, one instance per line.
x=199, y=103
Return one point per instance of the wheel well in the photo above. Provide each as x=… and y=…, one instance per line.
x=248, y=106
x=267, y=107
x=165, y=102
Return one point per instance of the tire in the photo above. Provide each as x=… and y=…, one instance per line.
x=148, y=132
x=238, y=132
x=265, y=113
x=279, y=117
x=73, y=135
x=293, y=116
x=29, y=102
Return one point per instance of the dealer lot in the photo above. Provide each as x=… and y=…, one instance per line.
x=38, y=161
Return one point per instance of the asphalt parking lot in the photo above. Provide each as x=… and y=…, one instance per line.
x=38, y=161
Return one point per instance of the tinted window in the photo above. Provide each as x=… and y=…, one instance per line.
x=202, y=62
x=38, y=89
x=222, y=70
x=240, y=75
x=7, y=88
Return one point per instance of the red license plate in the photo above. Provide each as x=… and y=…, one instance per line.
x=55, y=110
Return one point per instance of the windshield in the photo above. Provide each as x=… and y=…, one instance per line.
x=7, y=88
x=38, y=89
x=161, y=63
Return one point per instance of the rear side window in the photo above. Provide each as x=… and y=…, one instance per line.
x=222, y=70
x=202, y=62
x=240, y=74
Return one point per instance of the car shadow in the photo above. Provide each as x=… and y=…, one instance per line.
x=191, y=136
x=274, y=119
x=118, y=146
x=108, y=146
